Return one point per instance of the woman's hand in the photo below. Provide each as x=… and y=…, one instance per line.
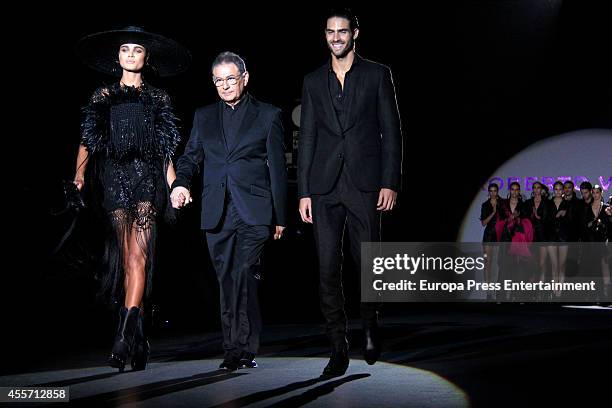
x=561, y=213
x=79, y=182
x=180, y=197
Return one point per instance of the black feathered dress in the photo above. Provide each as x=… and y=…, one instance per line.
x=131, y=134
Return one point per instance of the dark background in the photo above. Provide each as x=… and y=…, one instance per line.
x=476, y=82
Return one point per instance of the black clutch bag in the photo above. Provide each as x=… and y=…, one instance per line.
x=72, y=196
x=73, y=204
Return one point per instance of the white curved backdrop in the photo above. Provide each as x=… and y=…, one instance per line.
x=577, y=156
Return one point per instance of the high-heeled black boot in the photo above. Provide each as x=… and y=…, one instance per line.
x=142, y=349
x=124, y=340
x=338, y=362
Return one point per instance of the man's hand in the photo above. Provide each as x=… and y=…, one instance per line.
x=306, y=209
x=278, y=233
x=180, y=197
x=386, y=199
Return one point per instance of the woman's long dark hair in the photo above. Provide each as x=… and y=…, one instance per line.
x=515, y=183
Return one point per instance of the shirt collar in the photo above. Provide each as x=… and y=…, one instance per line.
x=356, y=61
x=242, y=101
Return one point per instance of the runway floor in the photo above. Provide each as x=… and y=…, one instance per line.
x=502, y=355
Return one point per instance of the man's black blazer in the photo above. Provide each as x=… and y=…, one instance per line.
x=252, y=169
x=371, y=143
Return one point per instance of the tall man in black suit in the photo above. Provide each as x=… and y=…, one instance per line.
x=349, y=170
x=239, y=140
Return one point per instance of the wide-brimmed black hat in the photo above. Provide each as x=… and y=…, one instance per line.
x=99, y=51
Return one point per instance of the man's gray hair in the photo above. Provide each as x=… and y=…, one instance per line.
x=228, y=57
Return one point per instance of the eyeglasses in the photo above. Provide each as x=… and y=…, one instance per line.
x=231, y=80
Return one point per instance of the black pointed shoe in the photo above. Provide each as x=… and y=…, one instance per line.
x=371, y=344
x=142, y=349
x=124, y=339
x=247, y=360
x=338, y=362
x=230, y=362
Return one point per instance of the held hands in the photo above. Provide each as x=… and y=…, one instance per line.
x=386, y=199
x=180, y=197
x=306, y=209
x=561, y=213
x=278, y=233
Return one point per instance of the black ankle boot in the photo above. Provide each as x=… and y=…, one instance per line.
x=124, y=340
x=338, y=362
x=142, y=350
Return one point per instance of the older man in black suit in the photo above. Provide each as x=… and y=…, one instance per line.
x=239, y=141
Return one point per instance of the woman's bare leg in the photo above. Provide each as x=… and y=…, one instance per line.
x=605, y=272
x=135, y=272
x=554, y=265
x=488, y=249
x=562, y=262
x=138, y=243
x=543, y=251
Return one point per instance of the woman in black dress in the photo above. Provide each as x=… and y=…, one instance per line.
x=490, y=211
x=597, y=226
x=537, y=208
x=128, y=137
x=514, y=207
x=560, y=227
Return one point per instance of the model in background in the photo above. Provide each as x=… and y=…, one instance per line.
x=585, y=203
x=515, y=232
x=560, y=232
x=537, y=209
x=597, y=225
x=491, y=211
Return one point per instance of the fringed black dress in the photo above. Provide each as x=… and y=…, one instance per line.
x=132, y=135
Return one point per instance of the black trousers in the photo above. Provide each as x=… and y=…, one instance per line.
x=235, y=250
x=345, y=207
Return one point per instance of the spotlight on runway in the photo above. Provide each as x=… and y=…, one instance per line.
x=279, y=381
x=584, y=155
